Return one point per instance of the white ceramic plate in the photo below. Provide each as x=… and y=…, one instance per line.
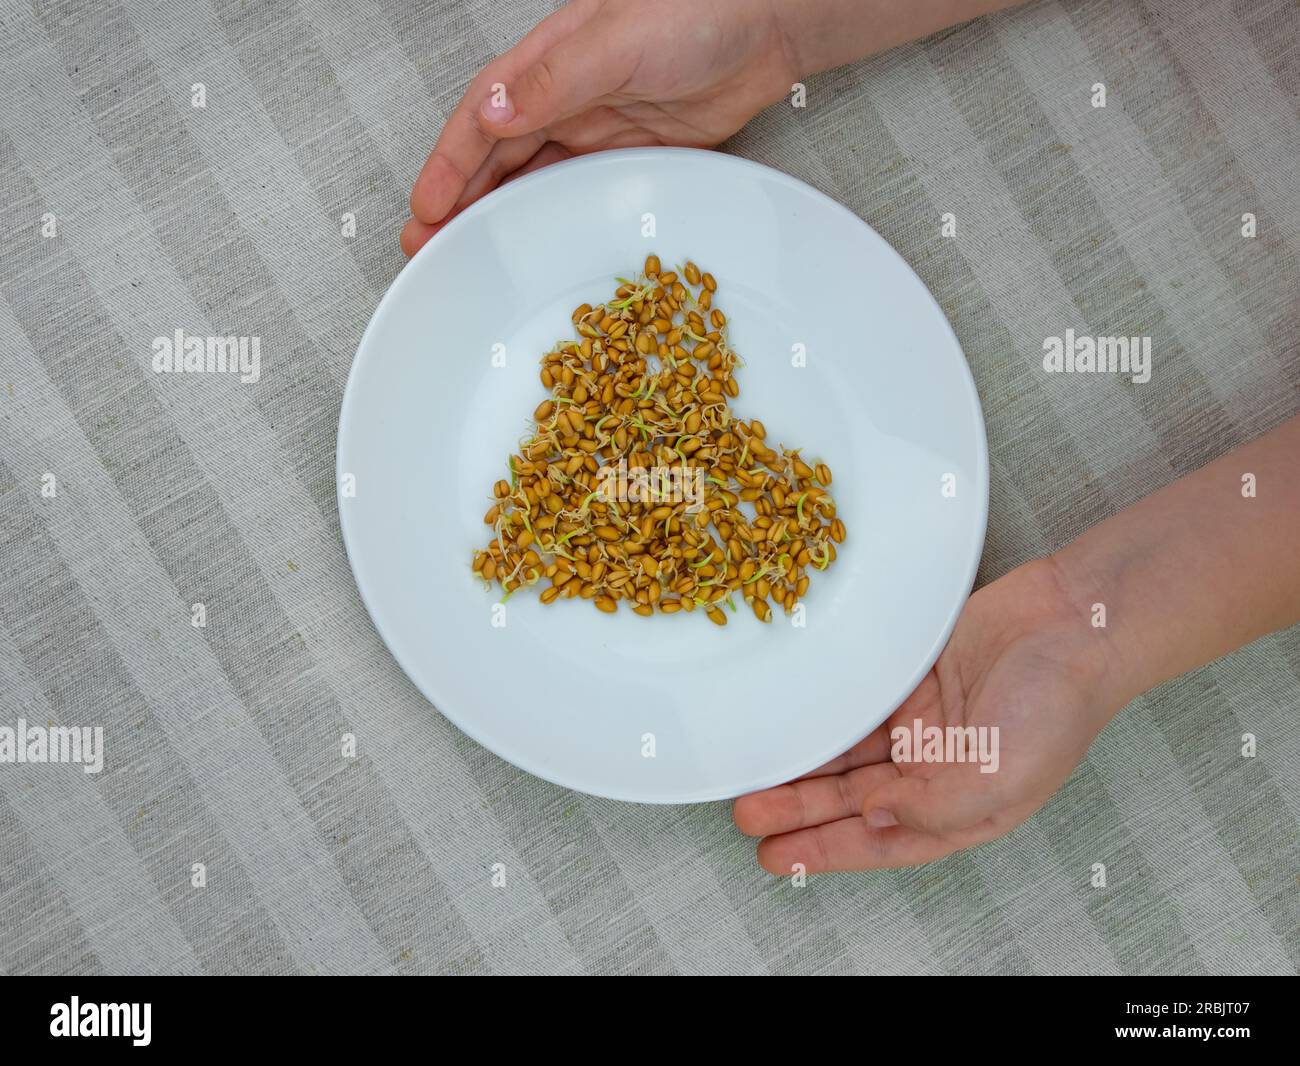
x=886, y=399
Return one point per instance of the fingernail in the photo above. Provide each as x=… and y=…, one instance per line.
x=879, y=818
x=498, y=108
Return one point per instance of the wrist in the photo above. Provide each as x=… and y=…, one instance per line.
x=1105, y=656
x=807, y=36
x=821, y=34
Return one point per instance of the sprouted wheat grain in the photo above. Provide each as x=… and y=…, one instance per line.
x=647, y=382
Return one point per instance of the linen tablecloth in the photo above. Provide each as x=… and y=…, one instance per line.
x=127, y=496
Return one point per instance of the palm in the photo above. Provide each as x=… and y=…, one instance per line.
x=1003, y=667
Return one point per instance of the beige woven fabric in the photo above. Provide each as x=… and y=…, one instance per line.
x=171, y=490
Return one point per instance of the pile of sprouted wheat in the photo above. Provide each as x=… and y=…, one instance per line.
x=646, y=386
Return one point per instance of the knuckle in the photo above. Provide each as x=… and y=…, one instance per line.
x=542, y=78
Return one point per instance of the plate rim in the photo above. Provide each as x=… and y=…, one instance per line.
x=726, y=159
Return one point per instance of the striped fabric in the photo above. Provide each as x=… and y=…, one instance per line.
x=127, y=213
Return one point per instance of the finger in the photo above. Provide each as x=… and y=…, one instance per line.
x=464, y=143
x=573, y=74
x=460, y=151
x=809, y=801
x=956, y=798
x=549, y=153
x=873, y=748
x=505, y=158
x=415, y=235
x=849, y=844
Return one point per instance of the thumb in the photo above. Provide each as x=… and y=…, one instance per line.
x=955, y=799
x=573, y=74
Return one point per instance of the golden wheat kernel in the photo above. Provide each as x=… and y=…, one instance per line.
x=838, y=531
x=550, y=595
x=651, y=265
x=606, y=604
x=710, y=282
x=489, y=570
x=666, y=280
x=761, y=610
x=823, y=473
x=718, y=318
x=717, y=616
x=670, y=606
x=692, y=273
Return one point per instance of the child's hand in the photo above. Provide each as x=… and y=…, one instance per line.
x=1196, y=570
x=603, y=75
x=1023, y=657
